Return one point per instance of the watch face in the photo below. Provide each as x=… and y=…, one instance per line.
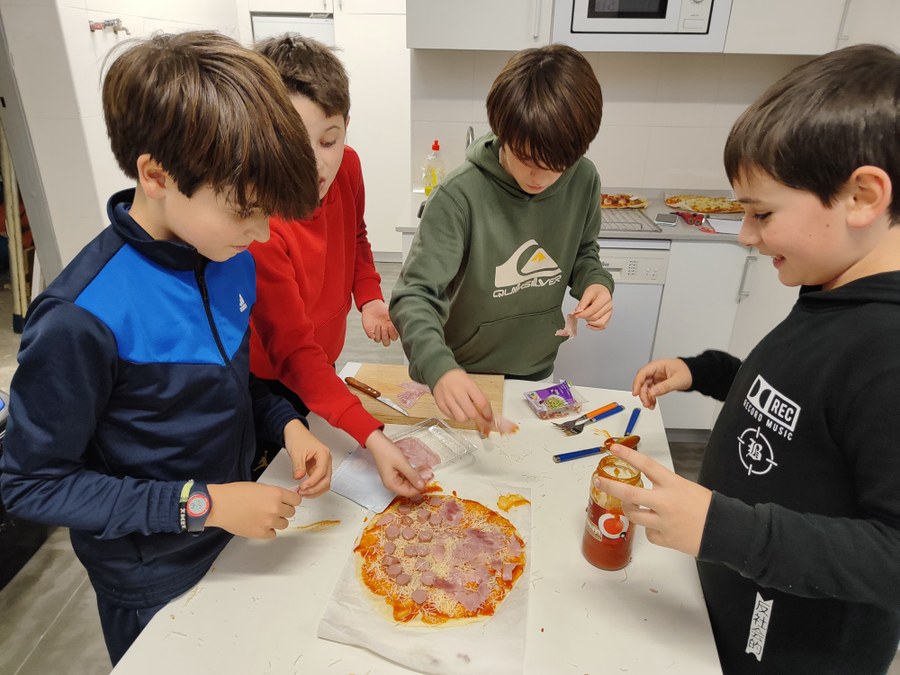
x=197, y=505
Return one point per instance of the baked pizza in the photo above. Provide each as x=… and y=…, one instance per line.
x=440, y=559
x=622, y=201
x=700, y=204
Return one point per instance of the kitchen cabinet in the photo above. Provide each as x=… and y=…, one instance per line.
x=371, y=6
x=779, y=27
x=871, y=21
x=763, y=302
x=718, y=295
x=473, y=24
x=377, y=61
x=290, y=6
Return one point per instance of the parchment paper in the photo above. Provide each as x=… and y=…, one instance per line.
x=492, y=645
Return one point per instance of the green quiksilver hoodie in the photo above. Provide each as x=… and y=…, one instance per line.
x=483, y=285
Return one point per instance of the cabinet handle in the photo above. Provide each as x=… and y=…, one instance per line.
x=741, y=292
x=536, y=24
x=841, y=37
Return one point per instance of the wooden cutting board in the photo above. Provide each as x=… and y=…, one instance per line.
x=387, y=379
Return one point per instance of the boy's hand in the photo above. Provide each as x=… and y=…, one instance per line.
x=395, y=470
x=310, y=457
x=673, y=511
x=595, y=306
x=660, y=377
x=458, y=397
x=377, y=322
x=251, y=509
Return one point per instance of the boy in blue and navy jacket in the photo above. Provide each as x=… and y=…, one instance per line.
x=132, y=411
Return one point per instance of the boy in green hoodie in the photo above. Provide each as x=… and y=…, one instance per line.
x=503, y=236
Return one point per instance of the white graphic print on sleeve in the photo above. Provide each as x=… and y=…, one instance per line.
x=759, y=626
x=537, y=269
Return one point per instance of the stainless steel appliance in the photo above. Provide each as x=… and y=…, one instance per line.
x=611, y=357
x=641, y=25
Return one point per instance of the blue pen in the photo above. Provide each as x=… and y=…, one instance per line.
x=576, y=454
x=632, y=421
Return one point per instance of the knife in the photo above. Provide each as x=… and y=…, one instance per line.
x=374, y=393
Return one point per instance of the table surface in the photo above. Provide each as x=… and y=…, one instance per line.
x=258, y=608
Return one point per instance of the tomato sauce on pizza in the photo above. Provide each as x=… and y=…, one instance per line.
x=440, y=558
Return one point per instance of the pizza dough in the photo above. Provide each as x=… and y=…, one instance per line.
x=439, y=559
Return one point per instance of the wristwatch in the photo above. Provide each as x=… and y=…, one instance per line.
x=194, y=506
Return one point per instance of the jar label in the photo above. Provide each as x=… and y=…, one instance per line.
x=607, y=526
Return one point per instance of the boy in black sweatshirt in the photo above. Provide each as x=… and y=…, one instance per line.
x=796, y=521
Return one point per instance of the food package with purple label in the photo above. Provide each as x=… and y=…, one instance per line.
x=559, y=400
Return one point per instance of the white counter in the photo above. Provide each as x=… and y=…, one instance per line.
x=408, y=221
x=258, y=608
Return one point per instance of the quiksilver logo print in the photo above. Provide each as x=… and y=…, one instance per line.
x=529, y=266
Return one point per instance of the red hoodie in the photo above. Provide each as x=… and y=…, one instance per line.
x=305, y=274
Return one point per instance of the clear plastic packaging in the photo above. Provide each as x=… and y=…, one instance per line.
x=559, y=400
x=433, y=443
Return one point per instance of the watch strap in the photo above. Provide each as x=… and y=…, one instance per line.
x=197, y=507
x=182, y=504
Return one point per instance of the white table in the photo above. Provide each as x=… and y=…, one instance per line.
x=258, y=608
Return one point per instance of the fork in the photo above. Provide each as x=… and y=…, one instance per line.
x=571, y=423
x=578, y=428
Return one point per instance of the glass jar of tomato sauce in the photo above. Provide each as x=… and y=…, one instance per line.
x=608, y=535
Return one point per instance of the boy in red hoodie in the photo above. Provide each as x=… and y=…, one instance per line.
x=310, y=270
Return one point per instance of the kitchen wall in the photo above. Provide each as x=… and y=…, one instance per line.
x=57, y=63
x=665, y=116
x=665, y=120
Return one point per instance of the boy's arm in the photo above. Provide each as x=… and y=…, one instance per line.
x=419, y=304
x=287, y=334
x=271, y=413
x=366, y=280
x=587, y=268
x=712, y=373
x=67, y=366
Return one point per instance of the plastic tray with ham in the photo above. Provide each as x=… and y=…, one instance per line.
x=432, y=443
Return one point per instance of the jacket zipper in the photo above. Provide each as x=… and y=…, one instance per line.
x=200, y=276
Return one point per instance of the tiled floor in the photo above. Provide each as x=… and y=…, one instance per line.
x=48, y=615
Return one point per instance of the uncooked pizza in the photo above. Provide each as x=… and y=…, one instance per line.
x=440, y=559
x=622, y=201
x=700, y=204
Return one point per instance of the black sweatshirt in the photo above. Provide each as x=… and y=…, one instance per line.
x=800, y=556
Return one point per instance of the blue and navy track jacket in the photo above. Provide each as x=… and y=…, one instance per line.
x=133, y=377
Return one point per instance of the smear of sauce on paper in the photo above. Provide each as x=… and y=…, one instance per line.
x=318, y=526
x=507, y=502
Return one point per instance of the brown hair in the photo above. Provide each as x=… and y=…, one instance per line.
x=819, y=123
x=546, y=105
x=212, y=113
x=310, y=69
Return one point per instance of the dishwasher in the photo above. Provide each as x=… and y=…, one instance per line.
x=610, y=358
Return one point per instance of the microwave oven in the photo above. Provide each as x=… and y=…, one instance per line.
x=641, y=25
